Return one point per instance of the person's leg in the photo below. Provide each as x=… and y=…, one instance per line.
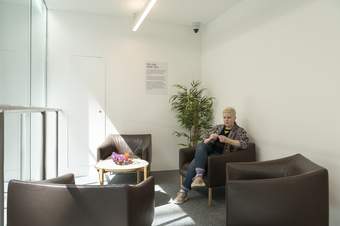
x=197, y=164
x=201, y=155
x=190, y=174
x=182, y=195
x=195, y=169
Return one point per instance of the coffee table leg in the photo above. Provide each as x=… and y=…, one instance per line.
x=101, y=176
x=145, y=172
x=137, y=176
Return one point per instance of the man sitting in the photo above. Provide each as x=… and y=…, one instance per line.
x=225, y=137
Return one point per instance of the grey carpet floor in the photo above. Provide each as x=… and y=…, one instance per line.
x=193, y=212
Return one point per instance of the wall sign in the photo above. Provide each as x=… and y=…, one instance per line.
x=156, y=78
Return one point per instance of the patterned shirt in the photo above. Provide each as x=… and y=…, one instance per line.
x=236, y=133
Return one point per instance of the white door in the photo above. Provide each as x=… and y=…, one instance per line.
x=85, y=112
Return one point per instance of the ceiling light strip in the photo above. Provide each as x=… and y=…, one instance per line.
x=146, y=11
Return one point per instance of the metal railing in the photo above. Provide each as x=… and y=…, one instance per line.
x=7, y=109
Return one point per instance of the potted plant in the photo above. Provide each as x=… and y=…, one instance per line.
x=194, y=112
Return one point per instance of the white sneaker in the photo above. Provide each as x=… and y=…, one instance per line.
x=198, y=182
x=181, y=197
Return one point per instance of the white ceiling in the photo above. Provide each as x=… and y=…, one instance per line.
x=174, y=11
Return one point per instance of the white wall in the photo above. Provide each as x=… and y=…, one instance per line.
x=277, y=62
x=128, y=107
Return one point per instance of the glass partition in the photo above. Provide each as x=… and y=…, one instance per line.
x=38, y=81
x=14, y=85
x=22, y=83
x=14, y=52
x=38, y=54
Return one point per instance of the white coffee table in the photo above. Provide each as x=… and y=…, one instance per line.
x=108, y=165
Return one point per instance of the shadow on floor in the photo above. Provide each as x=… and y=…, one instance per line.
x=193, y=212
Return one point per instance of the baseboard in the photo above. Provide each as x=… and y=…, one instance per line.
x=164, y=171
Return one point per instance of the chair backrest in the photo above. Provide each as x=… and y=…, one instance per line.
x=288, y=191
x=298, y=164
x=139, y=144
x=289, y=166
x=55, y=204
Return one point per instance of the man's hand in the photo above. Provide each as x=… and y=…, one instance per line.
x=226, y=140
x=213, y=136
x=223, y=139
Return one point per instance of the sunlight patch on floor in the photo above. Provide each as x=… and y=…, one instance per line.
x=159, y=188
x=171, y=214
x=93, y=179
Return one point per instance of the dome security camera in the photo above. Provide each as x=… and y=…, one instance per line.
x=196, y=26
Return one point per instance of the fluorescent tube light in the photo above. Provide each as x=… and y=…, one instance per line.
x=142, y=16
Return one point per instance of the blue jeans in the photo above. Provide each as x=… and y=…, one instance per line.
x=201, y=156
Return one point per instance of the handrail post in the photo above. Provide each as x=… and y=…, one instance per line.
x=2, y=150
x=44, y=143
x=57, y=144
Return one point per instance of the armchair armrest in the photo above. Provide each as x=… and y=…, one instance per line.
x=217, y=165
x=105, y=150
x=146, y=154
x=141, y=202
x=185, y=155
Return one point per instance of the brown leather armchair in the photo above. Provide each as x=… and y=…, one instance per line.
x=216, y=165
x=289, y=191
x=59, y=202
x=139, y=144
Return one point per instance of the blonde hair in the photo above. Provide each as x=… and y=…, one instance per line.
x=229, y=110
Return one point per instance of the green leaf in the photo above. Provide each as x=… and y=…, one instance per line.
x=193, y=111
